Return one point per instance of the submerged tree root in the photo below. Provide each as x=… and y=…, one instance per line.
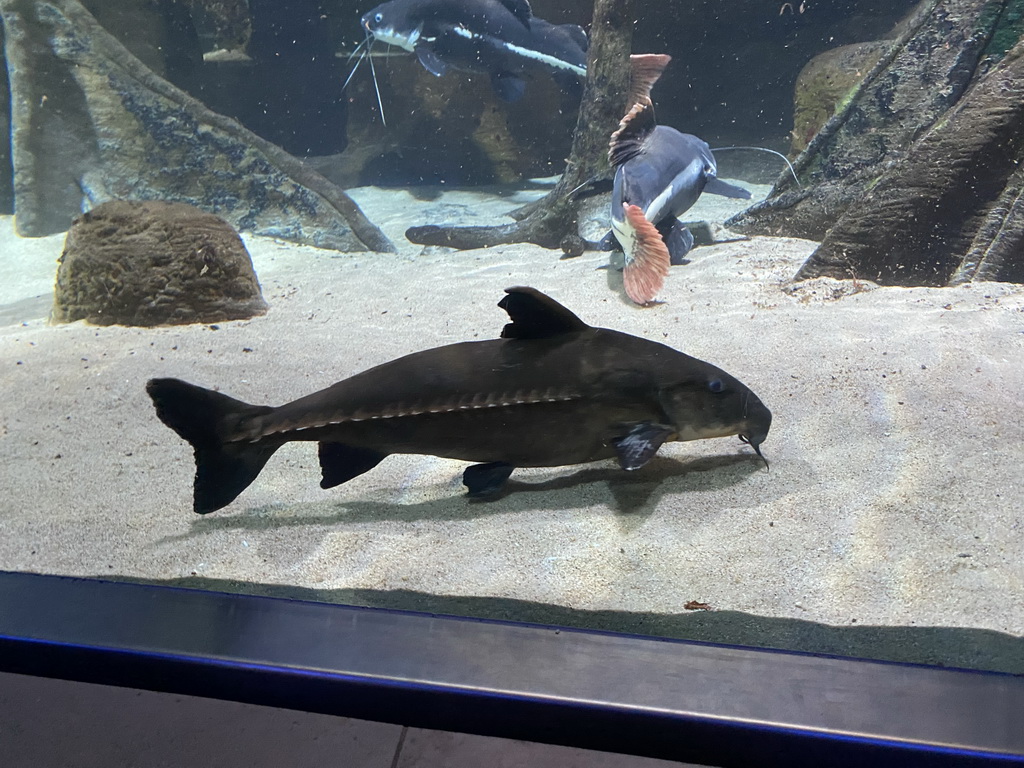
x=552, y=221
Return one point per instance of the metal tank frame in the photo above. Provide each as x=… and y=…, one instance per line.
x=677, y=700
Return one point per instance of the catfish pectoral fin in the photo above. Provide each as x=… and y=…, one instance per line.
x=339, y=463
x=485, y=480
x=431, y=62
x=641, y=443
x=716, y=186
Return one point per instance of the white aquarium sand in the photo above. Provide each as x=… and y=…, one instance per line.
x=893, y=497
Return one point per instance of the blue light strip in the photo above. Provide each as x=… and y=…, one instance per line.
x=671, y=699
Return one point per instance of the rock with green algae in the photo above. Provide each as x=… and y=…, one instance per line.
x=154, y=263
x=825, y=83
x=924, y=73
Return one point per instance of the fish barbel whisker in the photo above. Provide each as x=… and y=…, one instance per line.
x=362, y=55
x=373, y=74
x=770, y=151
x=757, y=450
x=365, y=52
x=356, y=50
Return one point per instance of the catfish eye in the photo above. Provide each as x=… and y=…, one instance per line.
x=378, y=17
x=716, y=386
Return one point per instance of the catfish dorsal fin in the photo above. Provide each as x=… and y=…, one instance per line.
x=633, y=129
x=578, y=35
x=520, y=9
x=535, y=315
x=644, y=71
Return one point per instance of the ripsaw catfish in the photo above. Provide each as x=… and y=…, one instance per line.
x=551, y=391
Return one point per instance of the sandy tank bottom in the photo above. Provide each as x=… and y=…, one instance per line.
x=892, y=499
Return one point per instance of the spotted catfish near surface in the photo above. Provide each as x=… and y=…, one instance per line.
x=551, y=391
x=500, y=38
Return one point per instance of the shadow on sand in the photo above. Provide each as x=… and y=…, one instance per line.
x=632, y=494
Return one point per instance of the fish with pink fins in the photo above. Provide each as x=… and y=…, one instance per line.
x=659, y=174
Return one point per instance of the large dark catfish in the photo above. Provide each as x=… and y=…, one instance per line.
x=551, y=391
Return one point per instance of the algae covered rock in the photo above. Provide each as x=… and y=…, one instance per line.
x=827, y=80
x=943, y=48
x=154, y=263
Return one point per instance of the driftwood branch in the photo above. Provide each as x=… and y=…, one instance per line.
x=89, y=120
x=552, y=221
x=916, y=180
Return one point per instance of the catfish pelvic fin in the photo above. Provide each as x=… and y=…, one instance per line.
x=508, y=87
x=536, y=316
x=485, y=480
x=340, y=463
x=678, y=239
x=640, y=444
x=634, y=128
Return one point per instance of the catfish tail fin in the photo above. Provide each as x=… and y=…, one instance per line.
x=207, y=419
x=644, y=71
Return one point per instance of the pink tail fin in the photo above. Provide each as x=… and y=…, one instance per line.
x=645, y=69
x=646, y=269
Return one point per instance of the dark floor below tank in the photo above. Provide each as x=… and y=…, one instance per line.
x=53, y=723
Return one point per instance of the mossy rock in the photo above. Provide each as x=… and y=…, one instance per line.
x=825, y=83
x=154, y=263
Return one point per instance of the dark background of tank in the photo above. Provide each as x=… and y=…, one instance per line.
x=730, y=82
x=734, y=63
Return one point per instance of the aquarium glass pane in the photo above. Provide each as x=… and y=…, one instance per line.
x=456, y=306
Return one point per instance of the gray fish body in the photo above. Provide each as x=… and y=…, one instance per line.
x=566, y=42
x=659, y=174
x=553, y=391
x=665, y=177
x=502, y=400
